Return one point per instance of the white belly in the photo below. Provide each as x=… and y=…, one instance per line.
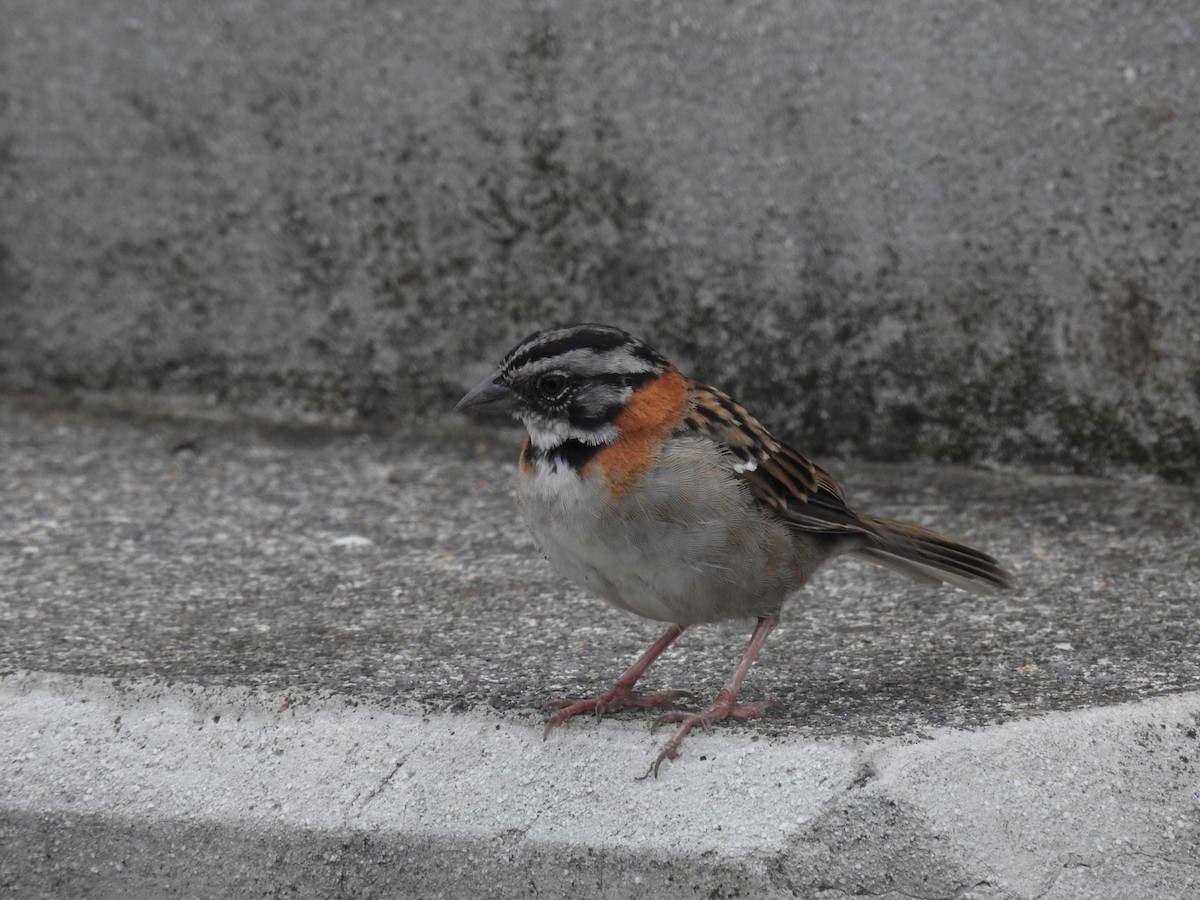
x=685, y=545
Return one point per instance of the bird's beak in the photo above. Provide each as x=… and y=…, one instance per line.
x=490, y=390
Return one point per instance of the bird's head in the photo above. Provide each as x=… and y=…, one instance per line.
x=569, y=383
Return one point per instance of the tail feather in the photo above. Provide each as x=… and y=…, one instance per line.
x=932, y=558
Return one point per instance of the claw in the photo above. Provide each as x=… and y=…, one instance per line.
x=677, y=715
x=621, y=694
x=662, y=757
x=614, y=701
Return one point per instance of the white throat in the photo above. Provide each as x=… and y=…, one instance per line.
x=546, y=434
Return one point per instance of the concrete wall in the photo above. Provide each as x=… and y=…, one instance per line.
x=967, y=230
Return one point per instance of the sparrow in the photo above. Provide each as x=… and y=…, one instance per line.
x=668, y=499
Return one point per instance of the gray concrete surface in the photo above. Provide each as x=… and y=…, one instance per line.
x=146, y=790
x=252, y=661
x=956, y=230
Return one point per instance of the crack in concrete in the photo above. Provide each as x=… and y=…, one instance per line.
x=363, y=798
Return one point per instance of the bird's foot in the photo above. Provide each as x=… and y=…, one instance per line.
x=724, y=707
x=611, y=701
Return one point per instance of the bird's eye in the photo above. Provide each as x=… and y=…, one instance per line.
x=552, y=385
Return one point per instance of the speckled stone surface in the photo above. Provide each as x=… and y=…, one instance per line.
x=392, y=565
x=242, y=660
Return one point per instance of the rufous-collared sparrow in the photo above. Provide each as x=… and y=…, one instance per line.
x=668, y=499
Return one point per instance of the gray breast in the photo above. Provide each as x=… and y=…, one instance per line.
x=687, y=544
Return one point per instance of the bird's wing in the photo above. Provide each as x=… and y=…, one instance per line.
x=800, y=491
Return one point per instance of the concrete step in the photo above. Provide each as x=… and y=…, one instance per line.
x=127, y=788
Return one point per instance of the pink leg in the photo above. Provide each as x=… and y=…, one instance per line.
x=621, y=694
x=724, y=706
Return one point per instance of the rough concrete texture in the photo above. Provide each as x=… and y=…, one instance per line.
x=394, y=564
x=237, y=661
x=142, y=790
x=959, y=230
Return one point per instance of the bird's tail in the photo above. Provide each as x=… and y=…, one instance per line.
x=932, y=558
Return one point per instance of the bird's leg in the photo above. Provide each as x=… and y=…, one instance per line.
x=621, y=694
x=725, y=705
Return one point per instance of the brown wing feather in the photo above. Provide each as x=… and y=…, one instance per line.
x=796, y=488
x=810, y=499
